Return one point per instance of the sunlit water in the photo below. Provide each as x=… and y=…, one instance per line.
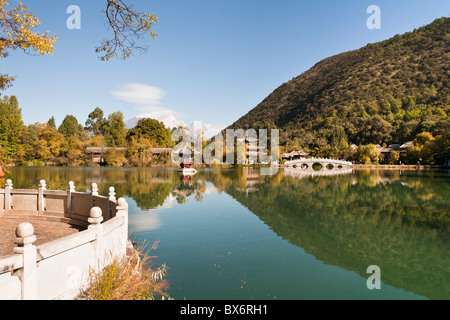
x=235, y=234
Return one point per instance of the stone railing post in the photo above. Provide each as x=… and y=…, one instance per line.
x=112, y=194
x=70, y=189
x=41, y=205
x=122, y=211
x=8, y=200
x=95, y=220
x=112, y=197
x=94, y=189
x=94, y=192
x=24, y=240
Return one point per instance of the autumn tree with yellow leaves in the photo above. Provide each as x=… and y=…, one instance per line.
x=18, y=31
x=41, y=142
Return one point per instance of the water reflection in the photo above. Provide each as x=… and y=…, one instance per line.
x=190, y=185
x=399, y=222
x=396, y=220
x=299, y=173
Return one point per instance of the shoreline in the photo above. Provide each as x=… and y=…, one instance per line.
x=355, y=166
x=397, y=167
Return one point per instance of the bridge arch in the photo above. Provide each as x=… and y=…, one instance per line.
x=326, y=164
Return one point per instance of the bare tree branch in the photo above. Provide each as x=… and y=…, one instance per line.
x=128, y=27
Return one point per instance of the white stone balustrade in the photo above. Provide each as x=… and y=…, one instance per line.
x=307, y=163
x=60, y=269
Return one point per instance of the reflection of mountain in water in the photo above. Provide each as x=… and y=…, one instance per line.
x=398, y=223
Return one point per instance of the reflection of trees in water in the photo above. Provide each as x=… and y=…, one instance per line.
x=398, y=222
x=414, y=198
x=56, y=178
x=190, y=185
x=242, y=178
x=149, y=187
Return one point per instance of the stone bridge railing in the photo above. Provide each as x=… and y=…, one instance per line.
x=60, y=269
x=327, y=164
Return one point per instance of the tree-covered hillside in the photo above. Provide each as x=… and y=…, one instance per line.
x=386, y=92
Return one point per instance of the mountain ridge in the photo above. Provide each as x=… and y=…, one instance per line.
x=384, y=92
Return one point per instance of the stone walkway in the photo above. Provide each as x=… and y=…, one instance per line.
x=45, y=231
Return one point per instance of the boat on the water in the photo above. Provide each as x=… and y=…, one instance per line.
x=187, y=170
x=187, y=167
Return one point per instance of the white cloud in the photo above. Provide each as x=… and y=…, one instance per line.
x=144, y=222
x=148, y=100
x=169, y=202
x=143, y=95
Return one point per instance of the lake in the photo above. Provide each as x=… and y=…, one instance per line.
x=234, y=234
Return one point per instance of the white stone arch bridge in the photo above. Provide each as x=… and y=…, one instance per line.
x=306, y=164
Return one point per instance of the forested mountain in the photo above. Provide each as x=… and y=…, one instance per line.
x=386, y=92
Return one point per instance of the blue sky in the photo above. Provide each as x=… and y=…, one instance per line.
x=213, y=60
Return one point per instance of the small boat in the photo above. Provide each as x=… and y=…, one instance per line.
x=187, y=168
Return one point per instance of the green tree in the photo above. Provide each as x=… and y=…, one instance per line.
x=95, y=122
x=3, y=167
x=72, y=149
x=139, y=151
x=393, y=157
x=27, y=138
x=442, y=145
x=423, y=138
x=366, y=154
x=54, y=139
x=153, y=130
x=36, y=147
x=412, y=155
x=114, y=158
x=10, y=125
x=51, y=122
x=40, y=142
x=432, y=148
x=344, y=150
x=70, y=127
x=428, y=149
x=115, y=130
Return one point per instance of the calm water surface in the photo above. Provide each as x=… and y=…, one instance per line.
x=234, y=234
